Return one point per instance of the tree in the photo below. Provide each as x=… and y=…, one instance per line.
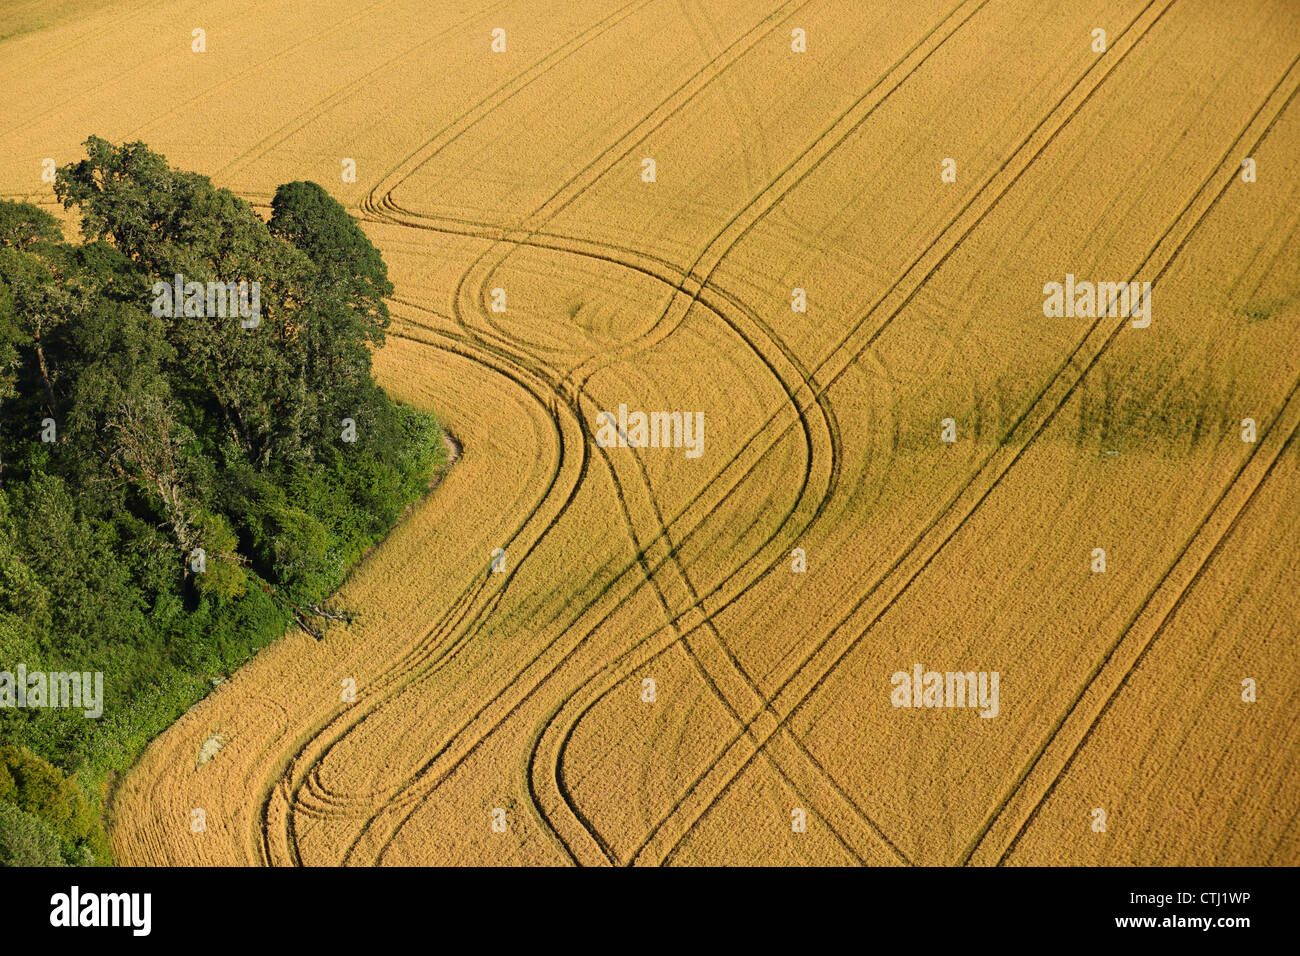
x=10, y=359
x=349, y=267
x=345, y=312
x=26, y=840
x=146, y=448
x=23, y=225
x=22, y=595
x=170, y=223
x=33, y=786
x=42, y=291
x=176, y=432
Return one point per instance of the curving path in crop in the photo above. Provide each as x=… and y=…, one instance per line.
x=644, y=679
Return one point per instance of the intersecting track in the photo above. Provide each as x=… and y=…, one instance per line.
x=1031, y=424
x=1149, y=620
x=302, y=776
x=703, y=674
x=578, y=654
x=441, y=641
x=696, y=596
x=1028, y=427
x=787, y=188
x=758, y=207
x=810, y=383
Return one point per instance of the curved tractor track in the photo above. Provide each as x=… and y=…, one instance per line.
x=512, y=690
x=760, y=207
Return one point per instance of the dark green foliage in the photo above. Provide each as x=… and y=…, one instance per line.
x=349, y=269
x=35, y=788
x=175, y=434
x=344, y=309
x=22, y=225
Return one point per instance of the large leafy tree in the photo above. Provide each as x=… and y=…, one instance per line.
x=176, y=433
x=43, y=290
x=348, y=266
x=345, y=314
x=170, y=223
x=37, y=295
x=23, y=225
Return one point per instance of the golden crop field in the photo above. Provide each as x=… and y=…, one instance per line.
x=916, y=561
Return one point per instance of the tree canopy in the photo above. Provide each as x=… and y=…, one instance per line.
x=177, y=485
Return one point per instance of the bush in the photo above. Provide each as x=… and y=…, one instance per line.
x=174, y=433
x=35, y=787
x=25, y=840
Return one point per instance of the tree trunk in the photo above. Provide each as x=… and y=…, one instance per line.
x=45, y=372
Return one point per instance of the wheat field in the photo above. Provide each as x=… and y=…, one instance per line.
x=823, y=229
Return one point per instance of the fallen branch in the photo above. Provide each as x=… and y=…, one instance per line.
x=300, y=614
x=347, y=617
